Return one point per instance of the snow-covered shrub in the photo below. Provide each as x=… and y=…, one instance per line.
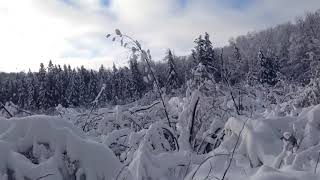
x=310, y=94
x=158, y=155
x=257, y=139
x=60, y=151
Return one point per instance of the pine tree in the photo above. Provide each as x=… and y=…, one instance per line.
x=269, y=70
x=22, y=90
x=93, y=86
x=63, y=80
x=73, y=92
x=204, y=57
x=103, y=79
x=115, y=84
x=83, y=88
x=173, y=81
x=137, y=78
x=42, y=100
x=32, y=86
x=50, y=82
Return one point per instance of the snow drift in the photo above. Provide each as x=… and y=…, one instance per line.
x=46, y=146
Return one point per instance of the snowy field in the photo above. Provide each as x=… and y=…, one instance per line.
x=136, y=142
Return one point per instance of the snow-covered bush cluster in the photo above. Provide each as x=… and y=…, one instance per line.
x=48, y=147
x=213, y=131
x=269, y=139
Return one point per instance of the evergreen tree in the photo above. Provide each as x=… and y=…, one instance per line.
x=115, y=84
x=50, y=83
x=63, y=80
x=93, y=87
x=83, y=88
x=32, y=87
x=22, y=89
x=103, y=79
x=204, y=57
x=42, y=100
x=73, y=92
x=269, y=70
x=173, y=81
x=137, y=78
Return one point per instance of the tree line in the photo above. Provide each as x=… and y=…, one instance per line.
x=289, y=52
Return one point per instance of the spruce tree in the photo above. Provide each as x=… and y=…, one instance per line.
x=173, y=81
x=137, y=78
x=73, y=91
x=32, y=90
x=93, y=88
x=269, y=70
x=42, y=100
x=115, y=84
x=50, y=83
x=204, y=57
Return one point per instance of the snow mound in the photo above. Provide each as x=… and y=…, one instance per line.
x=256, y=143
x=269, y=173
x=37, y=146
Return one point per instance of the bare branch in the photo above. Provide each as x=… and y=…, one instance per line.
x=233, y=151
x=41, y=177
x=136, y=46
x=193, y=119
x=3, y=107
x=315, y=169
x=145, y=108
x=206, y=161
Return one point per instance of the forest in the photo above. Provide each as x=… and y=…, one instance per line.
x=248, y=110
x=288, y=52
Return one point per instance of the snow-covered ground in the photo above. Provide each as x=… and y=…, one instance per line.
x=137, y=143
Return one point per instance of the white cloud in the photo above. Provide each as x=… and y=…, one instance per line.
x=34, y=31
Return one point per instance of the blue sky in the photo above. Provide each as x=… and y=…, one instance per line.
x=73, y=31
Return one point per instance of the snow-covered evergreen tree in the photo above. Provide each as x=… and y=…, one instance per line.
x=173, y=81
x=42, y=100
x=137, y=78
x=73, y=91
x=269, y=69
x=32, y=89
x=207, y=67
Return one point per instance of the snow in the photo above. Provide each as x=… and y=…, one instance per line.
x=134, y=141
x=269, y=173
x=50, y=138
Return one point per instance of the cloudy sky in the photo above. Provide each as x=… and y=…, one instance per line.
x=73, y=31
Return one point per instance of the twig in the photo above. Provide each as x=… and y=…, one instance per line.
x=94, y=106
x=144, y=108
x=44, y=176
x=203, y=142
x=173, y=137
x=234, y=149
x=187, y=169
x=193, y=119
x=137, y=47
x=234, y=103
x=159, y=89
x=134, y=122
x=123, y=167
x=195, y=172
x=122, y=170
x=3, y=107
x=315, y=169
x=208, y=172
x=20, y=109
